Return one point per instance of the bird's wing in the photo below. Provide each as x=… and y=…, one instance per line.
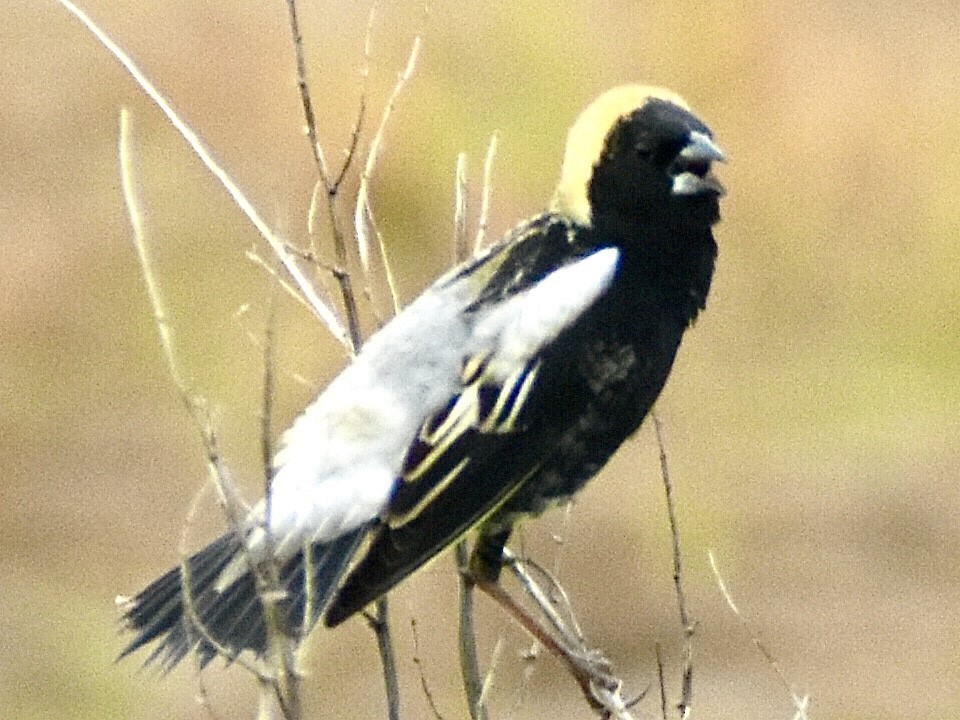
x=471, y=456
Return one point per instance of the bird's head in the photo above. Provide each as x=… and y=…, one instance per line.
x=638, y=154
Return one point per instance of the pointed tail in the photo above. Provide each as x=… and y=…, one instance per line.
x=233, y=615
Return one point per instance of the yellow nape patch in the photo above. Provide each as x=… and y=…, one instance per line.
x=585, y=143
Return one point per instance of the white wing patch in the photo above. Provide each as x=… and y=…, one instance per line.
x=516, y=331
x=340, y=460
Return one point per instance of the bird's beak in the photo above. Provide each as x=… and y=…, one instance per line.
x=692, y=169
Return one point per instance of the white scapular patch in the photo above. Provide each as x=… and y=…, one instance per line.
x=340, y=460
x=517, y=330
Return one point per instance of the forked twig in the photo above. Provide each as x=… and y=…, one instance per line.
x=340, y=272
x=373, y=155
x=320, y=308
x=572, y=638
x=362, y=215
x=591, y=670
x=363, y=194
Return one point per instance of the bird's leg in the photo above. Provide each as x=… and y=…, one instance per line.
x=589, y=668
x=571, y=636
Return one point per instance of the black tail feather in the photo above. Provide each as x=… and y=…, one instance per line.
x=233, y=616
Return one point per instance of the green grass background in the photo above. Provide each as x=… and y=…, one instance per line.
x=812, y=417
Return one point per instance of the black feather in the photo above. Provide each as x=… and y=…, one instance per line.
x=234, y=615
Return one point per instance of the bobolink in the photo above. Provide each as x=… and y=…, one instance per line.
x=497, y=393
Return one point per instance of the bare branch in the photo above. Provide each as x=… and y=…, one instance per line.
x=197, y=409
x=662, y=682
x=305, y=100
x=363, y=194
x=322, y=310
x=686, y=695
x=361, y=110
x=473, y=685
x=800, y=703
x=589, y=668
x=283, y=684
x=460, y=252
x=379, y=624
x=418, y=662
x=572, y=638
x=480, y=240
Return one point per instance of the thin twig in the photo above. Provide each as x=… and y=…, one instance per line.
x=135, y=216
x=322, y=310
x=480, y=240
x=556, y=596
x=385, y=265
x=309, y=592
x=488, y=679
x=341, y=274
x=686, y=695
x=378, y=622
x=196, y=629
x=253, y=256
x=363, y=194
x=591, y=670
x=282, y=647
x=572, y=638
x=351, y=152
x=266, y=426
x=305, y=100
x=203, y=695
x=230, y=496
x=473, y=685
x=318, y=187
x=662, y=681
x=559, y=538
x=460, y=252
x=800, y=702
x=418, y=662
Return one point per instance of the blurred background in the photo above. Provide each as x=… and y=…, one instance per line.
x=812, y=417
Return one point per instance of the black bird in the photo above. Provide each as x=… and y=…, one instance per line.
x=497, y=393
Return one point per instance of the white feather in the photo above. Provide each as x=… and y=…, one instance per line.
x=340, y=459
x=521, y=327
